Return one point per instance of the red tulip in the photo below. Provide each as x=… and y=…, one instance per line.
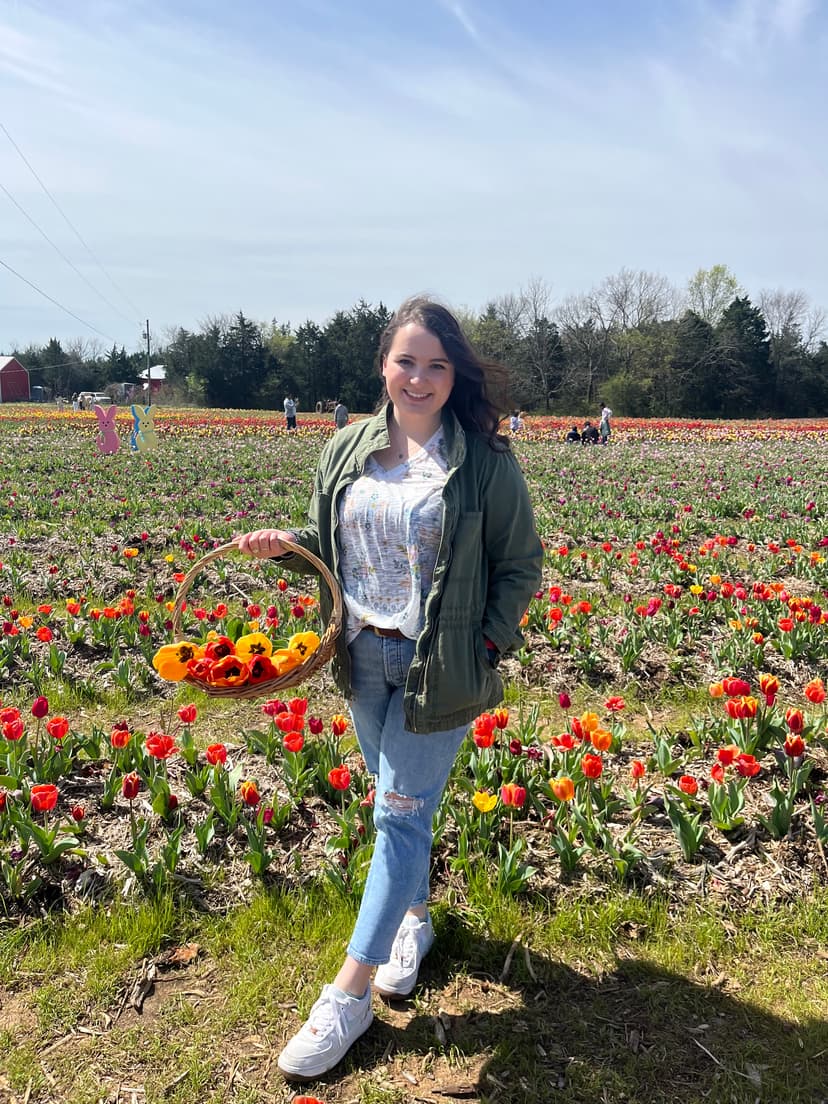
x=513, y=795
x=187, y=714
x=160, y=746
x=216, y=754
x=130, y=785
x=40, y=707
x=735, y=687
x=13, y=730
x=290, y=722
x=769, y=685
x=250, y=793
x=57, y=727
x=815, y=691
x=339, y=777
x=592, y=765
x=688, y=784
x=120, y=735
x=747, y=766
x=43, y=797
x=794, y=746
x=274, y=707
x=483, y=731
x=794, y=719
x=727, y=754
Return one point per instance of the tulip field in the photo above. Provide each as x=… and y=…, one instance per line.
x=663, y=739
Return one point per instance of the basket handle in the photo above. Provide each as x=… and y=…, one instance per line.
x=335, y=622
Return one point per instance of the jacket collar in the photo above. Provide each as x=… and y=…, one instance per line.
x=377, y=436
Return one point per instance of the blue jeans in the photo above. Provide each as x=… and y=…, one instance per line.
x=411, y=772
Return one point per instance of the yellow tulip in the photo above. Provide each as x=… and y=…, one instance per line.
x=304, y=643
x=484, y=802
x=252, y=645
x=170, y=661
x=285, y=660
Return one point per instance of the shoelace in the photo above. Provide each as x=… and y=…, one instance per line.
x=321, y=1019
x=404, y=950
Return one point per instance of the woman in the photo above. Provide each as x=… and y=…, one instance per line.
x=604, y=425
x=423, y=516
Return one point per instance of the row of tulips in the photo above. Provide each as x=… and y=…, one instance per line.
x=586, y=790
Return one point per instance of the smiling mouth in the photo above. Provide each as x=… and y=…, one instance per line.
x=415, y=397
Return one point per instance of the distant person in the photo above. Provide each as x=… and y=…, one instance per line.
x=589, y=434
x=75, y=406
x=340, y=415
x=605, y=429
x=515, y=422
x=573, y=437
x=290, y=412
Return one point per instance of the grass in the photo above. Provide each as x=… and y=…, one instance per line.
x=618, y=998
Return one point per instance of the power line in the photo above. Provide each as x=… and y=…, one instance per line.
x=68, y=223
x=56, y=303
x=63, y=256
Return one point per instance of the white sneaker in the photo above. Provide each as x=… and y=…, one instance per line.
x=412, y=943
x=332, y=1026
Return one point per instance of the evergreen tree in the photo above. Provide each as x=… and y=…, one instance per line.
x=746, y=385
x=694, y=369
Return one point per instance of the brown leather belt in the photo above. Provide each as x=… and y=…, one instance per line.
x=394, y=634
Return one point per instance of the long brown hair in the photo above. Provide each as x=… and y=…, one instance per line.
x=476, y=381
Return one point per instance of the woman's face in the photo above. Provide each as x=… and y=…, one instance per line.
x=418, y=375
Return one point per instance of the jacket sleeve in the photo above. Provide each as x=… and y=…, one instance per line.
x=308, y=536
x=513, y=550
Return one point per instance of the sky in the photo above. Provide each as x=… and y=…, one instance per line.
x=288, y=158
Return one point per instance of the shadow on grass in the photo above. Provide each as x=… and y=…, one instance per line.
x=639, y=1034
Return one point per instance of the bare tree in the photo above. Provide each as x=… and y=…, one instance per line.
x=544, y=359
x=586, y=340
x=630, y=299
x=791, y=312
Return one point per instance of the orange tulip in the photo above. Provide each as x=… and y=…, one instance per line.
x=563, y=788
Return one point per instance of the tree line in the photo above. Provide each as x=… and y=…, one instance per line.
x=635, y=342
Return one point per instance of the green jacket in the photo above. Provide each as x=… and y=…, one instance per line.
x=488, y=567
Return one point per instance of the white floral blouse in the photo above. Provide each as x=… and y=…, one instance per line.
x=389, y=534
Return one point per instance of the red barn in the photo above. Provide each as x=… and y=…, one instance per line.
x=14, y=381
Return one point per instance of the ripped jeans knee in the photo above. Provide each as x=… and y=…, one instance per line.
x=402, y=805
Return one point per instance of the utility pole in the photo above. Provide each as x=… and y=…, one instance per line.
x=149, y=370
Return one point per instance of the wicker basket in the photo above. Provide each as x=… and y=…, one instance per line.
x=267, y=687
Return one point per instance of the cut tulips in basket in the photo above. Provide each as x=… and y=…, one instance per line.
x=222, y=662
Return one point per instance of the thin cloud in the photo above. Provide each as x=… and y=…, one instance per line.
x=790, y=16
x=287, y=162
x=749, y=28
x=463, y=18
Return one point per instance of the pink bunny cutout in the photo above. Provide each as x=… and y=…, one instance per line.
x=107, y=440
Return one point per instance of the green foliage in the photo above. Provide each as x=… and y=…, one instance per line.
x=619, y=342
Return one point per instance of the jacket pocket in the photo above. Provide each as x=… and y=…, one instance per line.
x=458, y=675
x=463, y=597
